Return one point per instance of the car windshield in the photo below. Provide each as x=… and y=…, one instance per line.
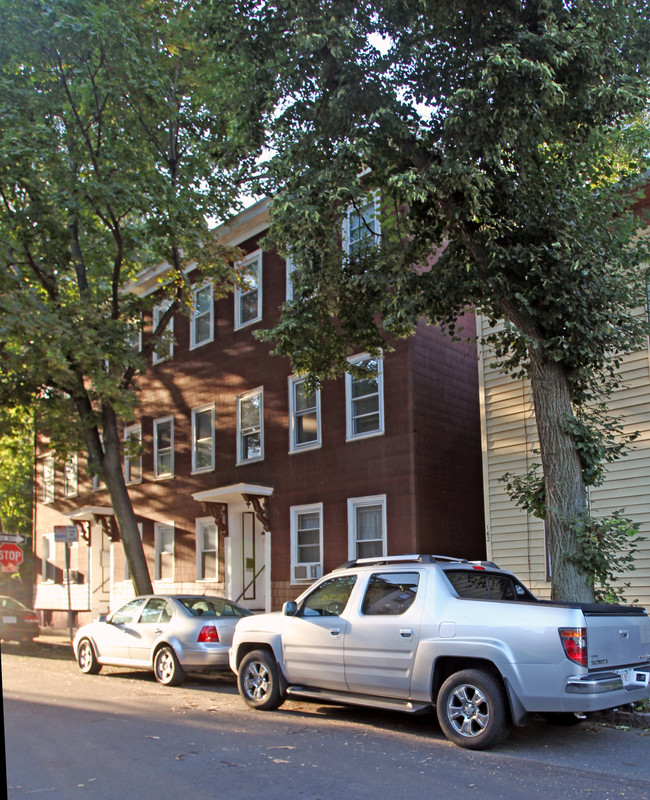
x=213, y=607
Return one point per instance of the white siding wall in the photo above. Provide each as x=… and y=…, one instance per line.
x=515, y=540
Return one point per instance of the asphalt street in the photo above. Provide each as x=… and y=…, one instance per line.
x=120, y=734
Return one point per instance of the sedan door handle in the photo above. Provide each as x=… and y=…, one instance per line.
x=406, y=633
x=335, y=632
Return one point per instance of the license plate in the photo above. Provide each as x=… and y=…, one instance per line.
x=627, y=675
x=9, y=620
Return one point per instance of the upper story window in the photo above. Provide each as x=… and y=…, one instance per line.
x=361, y=228
x=132, y=454
x=306, y=542
x=202, y=320
x=202, y=438
x=291, y=268
x=365, y=397
x=71, y=476
x=367, y=527
x=48, y=479
x=250, y=426
x=304, y=416
x=163, y=447
x=248, y=299
x=165, y=348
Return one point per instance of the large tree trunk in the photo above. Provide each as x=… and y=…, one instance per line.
x=563, y=481
x=126, y=519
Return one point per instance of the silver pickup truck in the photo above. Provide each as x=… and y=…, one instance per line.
x=416, y=632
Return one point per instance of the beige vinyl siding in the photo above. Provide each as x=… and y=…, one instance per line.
x=515, y=540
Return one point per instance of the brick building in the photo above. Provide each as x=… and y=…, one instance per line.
x=249, y=485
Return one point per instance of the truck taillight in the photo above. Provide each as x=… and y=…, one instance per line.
x=208, y=634
x=574, y=642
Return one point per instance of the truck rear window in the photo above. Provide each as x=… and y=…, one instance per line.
x=485, y=586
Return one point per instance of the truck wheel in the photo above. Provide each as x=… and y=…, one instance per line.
x=258, y=681
x=472, y=711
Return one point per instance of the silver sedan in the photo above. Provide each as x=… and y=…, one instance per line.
x=169, y=634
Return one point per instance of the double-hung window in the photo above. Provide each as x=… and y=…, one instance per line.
x=367, y=527
x=362, y=228
x=203, y=439
x=165, y=348
x=133, y=454
x=202, y=321
x=164, y=551
x=306, y=542
x=304, y=416
x=207, y=553
x=71, y=476
x=48, y=479
x=364, y=393
x=250, y=426
x=248, y=298
x=163, y=447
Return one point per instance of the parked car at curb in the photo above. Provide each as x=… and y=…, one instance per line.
x=17, y=622
x=420, y=632
x=167, y=634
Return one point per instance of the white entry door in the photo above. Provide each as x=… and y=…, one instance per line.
x=246, y=556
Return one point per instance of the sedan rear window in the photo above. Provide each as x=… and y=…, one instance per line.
x=212, y=607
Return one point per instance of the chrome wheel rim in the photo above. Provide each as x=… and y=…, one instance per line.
x=257, y=681
x=468, y=710
x=165, y=667
x=85, y=656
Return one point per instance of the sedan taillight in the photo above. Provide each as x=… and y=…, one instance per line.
x=208, y=634
x=574, y=642
x=31, y=617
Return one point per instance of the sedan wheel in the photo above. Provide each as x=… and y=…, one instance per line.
x=87, y=659
x=472, y=710
x=258, y=681
x=167, y=667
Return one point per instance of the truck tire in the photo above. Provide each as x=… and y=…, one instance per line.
x=472, y=709
x=258, y=681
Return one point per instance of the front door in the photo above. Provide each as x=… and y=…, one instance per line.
x=246, y=557
x=313, y=640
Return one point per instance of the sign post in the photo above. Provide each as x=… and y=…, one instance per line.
x=68, y=534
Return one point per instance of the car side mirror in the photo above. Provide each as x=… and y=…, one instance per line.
x=290, y=608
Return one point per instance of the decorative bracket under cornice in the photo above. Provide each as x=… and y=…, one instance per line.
x=84, y=529
x=109, y=526
x=259, y=503
x=220, y=513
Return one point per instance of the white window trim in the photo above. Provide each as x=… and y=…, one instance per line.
x=193, y=343
x=49, y=483
x=255, y=256
x=242, y=397
x=360, y=502
x=345, y=237
x=158, y=553
x=290, y=269
x=195, y=411
x=156, y=423
x=73, y=459
x=349, y=434
x=160, y=310
x=199, y=548
x=316, y=567
x=294, y=446
x=132, y=430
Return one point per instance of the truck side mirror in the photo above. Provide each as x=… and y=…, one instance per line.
x=290, y=608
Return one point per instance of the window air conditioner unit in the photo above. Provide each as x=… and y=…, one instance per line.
x=306, y=572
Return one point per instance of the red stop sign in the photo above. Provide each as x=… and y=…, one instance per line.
x=10, y=556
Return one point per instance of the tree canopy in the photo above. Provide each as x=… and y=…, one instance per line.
x=118, y=142
x=506, y=141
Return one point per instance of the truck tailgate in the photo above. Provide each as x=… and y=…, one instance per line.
x=617, y=641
